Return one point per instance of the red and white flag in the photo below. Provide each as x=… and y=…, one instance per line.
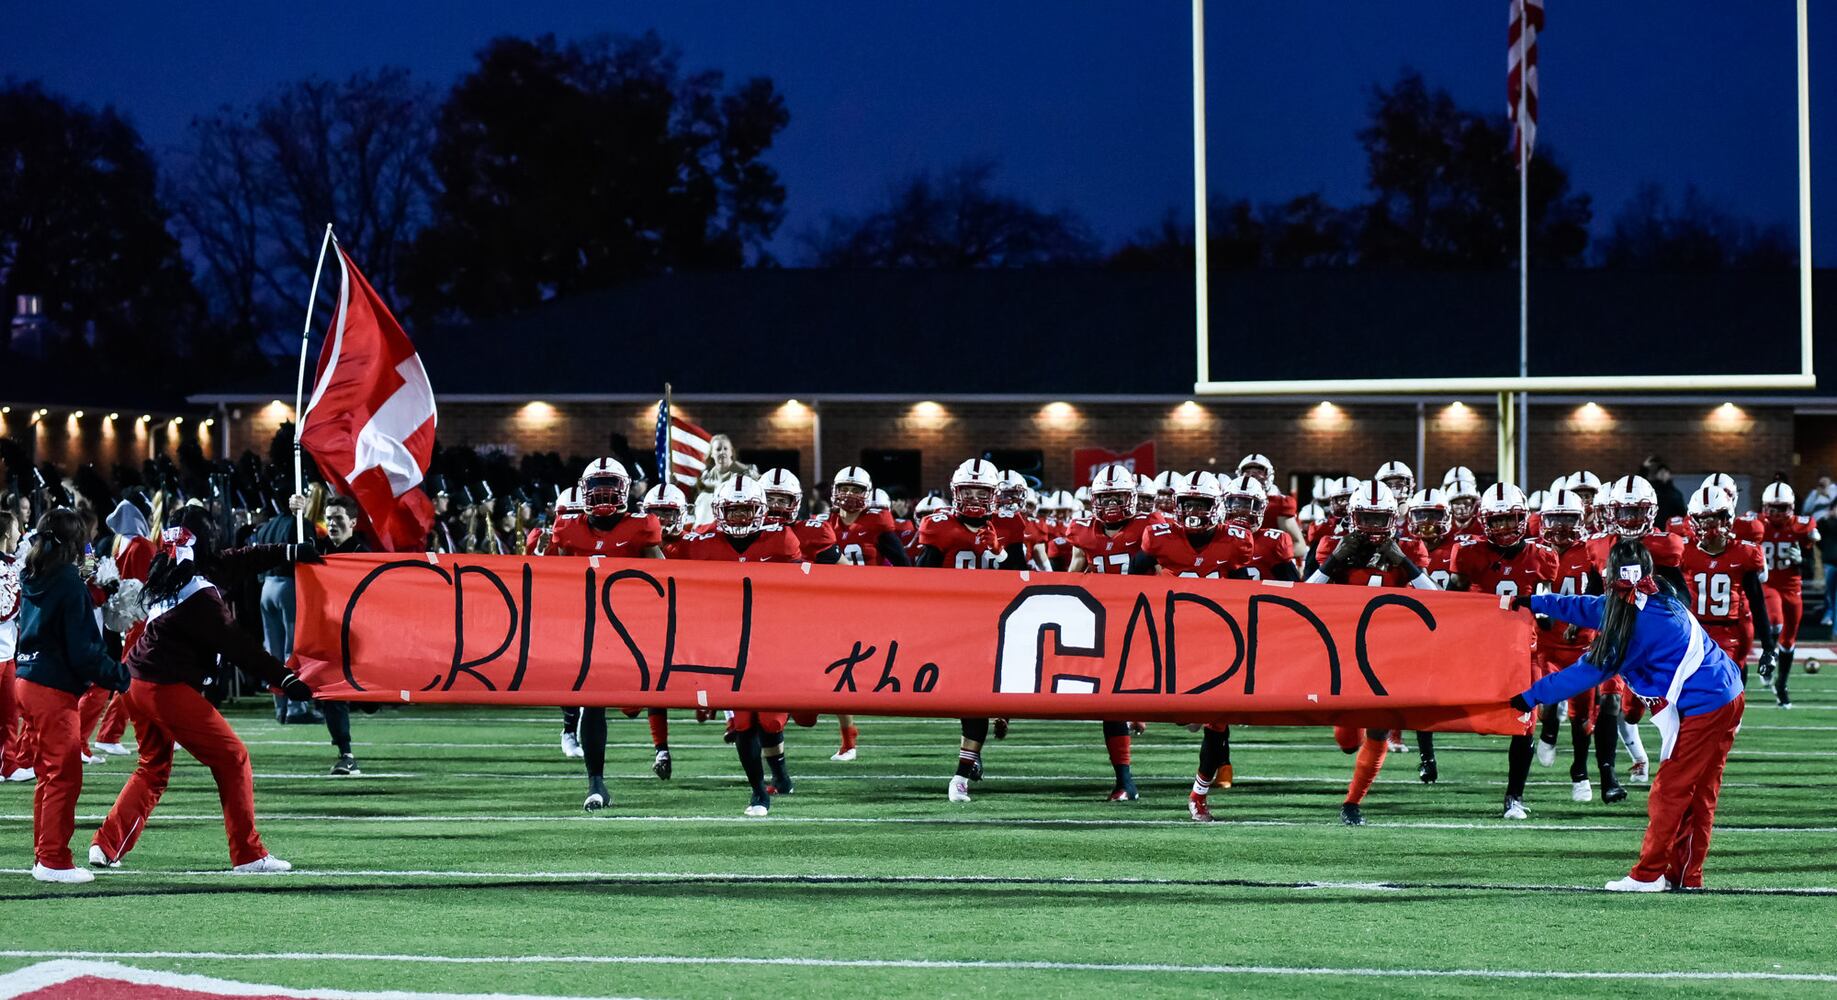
x=1525, y=24
x=682, y=447
x=370, y=423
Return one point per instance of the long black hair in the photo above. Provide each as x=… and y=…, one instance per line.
x=1618, y=617
x=169, y=574
x=58, y=542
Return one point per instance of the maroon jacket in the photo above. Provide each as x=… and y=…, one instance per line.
x=181, y=644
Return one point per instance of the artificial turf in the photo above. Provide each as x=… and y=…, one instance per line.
x=464, y=839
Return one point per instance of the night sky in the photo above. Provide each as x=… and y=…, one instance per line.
x=1085, y=105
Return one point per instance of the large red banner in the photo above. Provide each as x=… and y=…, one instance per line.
x=893, y=641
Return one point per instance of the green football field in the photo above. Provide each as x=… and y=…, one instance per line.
x=460, y=862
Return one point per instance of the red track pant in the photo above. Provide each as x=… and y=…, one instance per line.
x=163, y=714
x=10, y=741
x=1682, y=805
x=114, y=722
x=89, y=712
x=52, y=714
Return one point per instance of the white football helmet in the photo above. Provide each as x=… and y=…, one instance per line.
x=1428, y=514
x=784, y=495
x=1259, y=468
x=1398, y=477
x=1458, y=472
x=1503, y=512
x=1011, y=494
x=1372, y=511
x=1632, y=506
x=1777, y=503
x=1712, y=511
x=1244, y=502
x=1561, y=516
x=1721, y=481
x=930, y=504
x=1463, y=498
x=1113, y=494
x=880, y=501
x=669, y=505
x=1196, y=499
x=851, y=489
x=569, y=502
x=1309, y=514
x=1164, y=490
x=739, y=507
x=605, y=487
x=1536, y=500
x=973, y=487
x=1585, y=485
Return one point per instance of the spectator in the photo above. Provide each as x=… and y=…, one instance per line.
x=1827, y=551
x=60, y=655
x=15, y=757
x=277, y=592
x=1670, y=502
x=1819, y=498
x=341, y=532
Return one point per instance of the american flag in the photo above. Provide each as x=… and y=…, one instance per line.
x=1526, y=23
x=682, y=447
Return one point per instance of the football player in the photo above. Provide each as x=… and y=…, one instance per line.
x=864, y=537
x=1272, y=555
x=1597, y=712
x=1014, y=523
x=1426, y=518
x=742, y=534
x=1630, y=511
x=670, y=506
x=1145, y=499
x=1369, y=554
x=1336, y=494
x=1726, y=576
x=1164, y=492
x=784, y=500
x=604, y=528
x=1280, y=511
x=1587, y=488
x=1463, y=493
x=1505, y=562
x=1787, y=539
x=1684, y=524
x=964, y=537
x=1398, y=477
x=1057, y=512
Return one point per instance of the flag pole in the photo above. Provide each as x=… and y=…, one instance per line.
x=299, y=387
x=1519, y=469
x=665, y=467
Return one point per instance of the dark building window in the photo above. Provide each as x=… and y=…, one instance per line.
x=896, y=470
x=1029, y=462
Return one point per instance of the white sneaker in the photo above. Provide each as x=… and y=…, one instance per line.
x=68, y=876
x=265, y=865
x=99, y=858
x=1546, y=753
x=1631, y=884
x=843, y=755
x=23, y=774
x=1640, y=773
x=570, y=746
x=756, y=811
x=959, y=788
x=1395, y=745
x=94, y=758
x=113, y=748
x=1514, y=809
x=1581, y=791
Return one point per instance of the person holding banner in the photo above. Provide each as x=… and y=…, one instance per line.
x=742, y=534
x=1647, y=636
x=604, y=528
x=1369, y=554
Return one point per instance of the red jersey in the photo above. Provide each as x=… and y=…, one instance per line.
x=1716, y=597
x=1473, y=529
x=1017, y=529
x=1375, y=576
x=860, y=541
x=629, y=536
x=1270, y=547
x=962, y=546
x=1573, y=567
x=1276, y=507
x=1175, y=554
x=1489, y=570
x=1326, y=527
x=1667, y=549
x=1104, y=552
x=1441, y=561
x=1683, y=527
x=1785, y=545
x=814, y=535
x=771, y=543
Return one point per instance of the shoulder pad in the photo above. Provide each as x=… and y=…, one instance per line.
x=938, y=518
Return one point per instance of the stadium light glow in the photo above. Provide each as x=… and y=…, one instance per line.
x=536, y=414
x=927, y=415
x=1592, y=417
x=1059, y=415
x=1728, y=418
x=78, y=415
x=1190, y=415
x=113, y=417
x=1325, y=416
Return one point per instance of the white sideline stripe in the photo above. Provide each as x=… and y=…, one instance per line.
x=46, y=974
x=1123, y=880
x=936, y=965
x=779, y=817
x=1004, y=777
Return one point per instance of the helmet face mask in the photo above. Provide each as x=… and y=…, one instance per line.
x=973, y=501
x=605, y=493
x=1778, y=513
x=1374, y=525
x=1198, y=512
x=1630, y=520
x=1712, y=526
x=669, y=517
x=1429, y=523
x=1242, y=509
x=1463, y=508
x=1113, y=506
x=1562, y=527
x=1165, y=502
x=1401, y=485
x=849, y=496
x=781, y=506
x=1505, y=528
x=739, y=517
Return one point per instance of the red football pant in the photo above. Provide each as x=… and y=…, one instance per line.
x=1791, y=609
x=770, y=722
x=1776, y=608
x=1549, y=660
x=1682, y=806
x=114, y=721
x=1370, y=761
x=89, y=711
x=52, y=714
x=163, y=714
x=1735, y=638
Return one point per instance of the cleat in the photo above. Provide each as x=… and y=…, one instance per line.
x=1514, y=809
x=66, y=876
x=1395, y=745
x=23, y=774
x=1631, y=884
x=1001, y=729
x=1426, y=771
x=1640, y=773
x=959, y=789
x=1223, y=780
x=99, y=858
x=597, y=796
x=1122, y=793
x=1196, y=808
x=843, y=755
x=1780, y=696
x=113, y=749
x=1546, y=753
x=570, y=746
x=267, y=864
x=1581, y=791
x=1766, y=672
x=976, y=770
x=1612, y=792
x=1350, y=815
x=94, y=758
x=761, y=806
x=661, y=766
x=1139, y=728
x=776, y=790
x=346, y=765
x=704, y=714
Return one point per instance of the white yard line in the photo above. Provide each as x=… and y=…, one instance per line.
x=942, y=965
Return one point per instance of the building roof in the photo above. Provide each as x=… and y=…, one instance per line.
x=1093, y=333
